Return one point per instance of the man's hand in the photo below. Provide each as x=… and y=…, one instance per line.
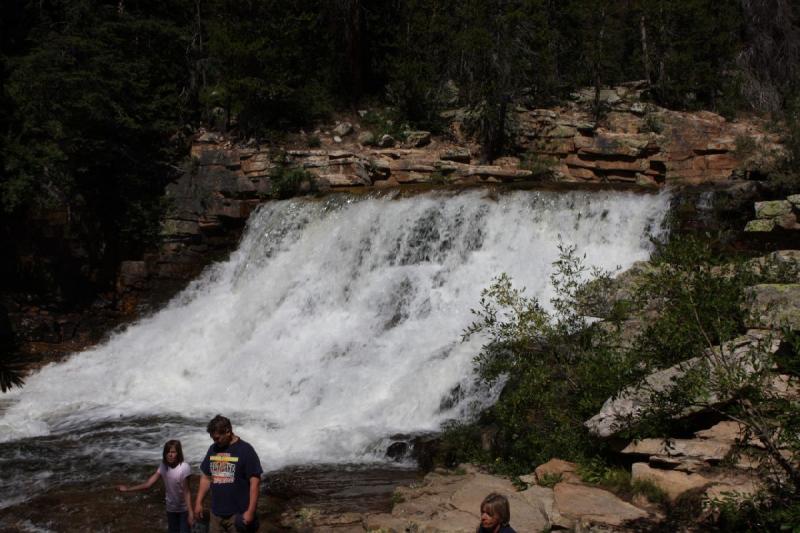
x=198, y=510
x=191, y=518
x=248, y=516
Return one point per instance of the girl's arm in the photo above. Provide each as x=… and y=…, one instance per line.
x=187, y=496
x=142, y=486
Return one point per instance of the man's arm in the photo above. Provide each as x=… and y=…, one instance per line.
x=205, y=483
x=250, y=514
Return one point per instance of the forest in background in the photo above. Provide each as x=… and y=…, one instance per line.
x=100, y=98
x=99, y=101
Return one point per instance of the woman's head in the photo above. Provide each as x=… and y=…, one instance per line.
x=173, y=453
x=495, y=511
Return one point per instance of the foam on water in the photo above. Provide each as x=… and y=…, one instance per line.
x=335, y=324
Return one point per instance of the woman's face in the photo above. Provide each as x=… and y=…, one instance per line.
x=487, y=520
x=172, y=456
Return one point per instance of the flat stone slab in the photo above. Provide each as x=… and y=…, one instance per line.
x=580, y=502
x=672, y=482
x=450, y=501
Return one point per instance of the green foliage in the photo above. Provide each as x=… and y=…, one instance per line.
x=550, y=480
x=764, y=512
x=557, y=369
x=700, y=298
x=287, y=180
x=649, y=490
x=541, y=166
x=785, y=178
x=745, y=146
x=652, y=124
x=397, y=498
x=265, y=69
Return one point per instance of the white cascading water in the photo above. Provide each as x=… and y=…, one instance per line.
x=336, y=324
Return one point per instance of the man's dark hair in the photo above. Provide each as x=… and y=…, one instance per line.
x=219, y=424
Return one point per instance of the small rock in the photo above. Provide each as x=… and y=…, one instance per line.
x=343, y=129
x=366, y=138
x=773, y=209
x=760, y=226
x=337, y=139
x=418, y=139
x=787, y=221
x=458, y=154
x=794, y=200
x=557, y=467
x=386, y=141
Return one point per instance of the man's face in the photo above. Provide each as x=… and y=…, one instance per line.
x=222, y=438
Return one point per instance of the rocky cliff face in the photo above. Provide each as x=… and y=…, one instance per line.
x=631, y=144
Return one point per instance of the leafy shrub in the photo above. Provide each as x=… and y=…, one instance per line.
x=541, y=166
x=649, y=490
x=550, y=480
x=557, y=370
x=652, y=124
x=287, y=180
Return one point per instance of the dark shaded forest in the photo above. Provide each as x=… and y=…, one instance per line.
x=99, y=98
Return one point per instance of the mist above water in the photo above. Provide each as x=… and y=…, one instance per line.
x=335, y=324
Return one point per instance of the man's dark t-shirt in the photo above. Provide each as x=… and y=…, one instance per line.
x=230, y=469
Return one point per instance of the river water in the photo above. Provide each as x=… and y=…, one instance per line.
x=335, y=325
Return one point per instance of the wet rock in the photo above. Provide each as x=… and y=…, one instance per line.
x=397, y=450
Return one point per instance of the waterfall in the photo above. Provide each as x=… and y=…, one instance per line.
x=335, y=324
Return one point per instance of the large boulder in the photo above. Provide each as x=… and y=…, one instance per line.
x=627, y=407
x=672, y=482
x=774, y=306
x=580, y=503
x=773, y=208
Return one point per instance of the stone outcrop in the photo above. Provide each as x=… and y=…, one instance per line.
x=626, y=408
x=677, y=466
x=635, y=142
x=776, y=215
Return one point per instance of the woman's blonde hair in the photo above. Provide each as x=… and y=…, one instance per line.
x=496, y=505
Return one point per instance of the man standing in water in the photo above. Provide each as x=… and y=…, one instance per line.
x=232, y=471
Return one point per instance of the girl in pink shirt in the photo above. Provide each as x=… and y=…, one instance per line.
x=175, y=473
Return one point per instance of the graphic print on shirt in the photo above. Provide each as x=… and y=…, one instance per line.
x=223, y=467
